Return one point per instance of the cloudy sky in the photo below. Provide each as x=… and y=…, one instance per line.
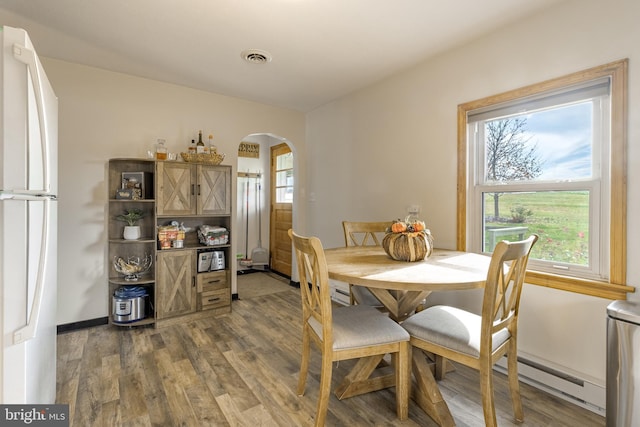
x=563, y=138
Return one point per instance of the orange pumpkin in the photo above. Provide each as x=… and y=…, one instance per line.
x=418, y=226
x=398, y=227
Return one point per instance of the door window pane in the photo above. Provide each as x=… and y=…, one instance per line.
x=284, y=161
x=284, y=178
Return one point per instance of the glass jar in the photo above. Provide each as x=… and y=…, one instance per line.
x=161, y=150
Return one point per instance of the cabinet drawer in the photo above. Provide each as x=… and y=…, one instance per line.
x=213, y=280
x=214, y=299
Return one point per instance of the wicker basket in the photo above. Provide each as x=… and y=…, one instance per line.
x=210, y=159
x=408, y=246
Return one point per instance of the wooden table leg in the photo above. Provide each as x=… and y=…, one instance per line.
x=427, y=394
x=399, y=304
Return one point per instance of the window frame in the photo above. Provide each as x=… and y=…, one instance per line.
x=597, y=93
x=615, y=287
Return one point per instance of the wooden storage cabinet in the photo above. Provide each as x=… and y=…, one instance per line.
x=192, y=194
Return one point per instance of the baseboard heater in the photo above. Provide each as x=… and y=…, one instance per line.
x=341, y=296
x=566, y=386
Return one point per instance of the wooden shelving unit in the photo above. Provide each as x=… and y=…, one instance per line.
x=193, y=195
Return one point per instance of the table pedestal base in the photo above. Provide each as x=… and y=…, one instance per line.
x=360, y=381
x=425, y=391
x=427, y=394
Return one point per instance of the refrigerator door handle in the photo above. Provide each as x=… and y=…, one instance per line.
x=28, y=57
x=29, y=330
x=8, y=195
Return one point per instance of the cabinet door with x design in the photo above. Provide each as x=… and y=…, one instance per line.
x=213, y=190
x=176, y=188
x=189, y=189
x=175, y=284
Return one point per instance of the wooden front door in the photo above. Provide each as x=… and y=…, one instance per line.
x=281, y=208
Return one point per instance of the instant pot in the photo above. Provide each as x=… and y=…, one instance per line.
x=129, y=304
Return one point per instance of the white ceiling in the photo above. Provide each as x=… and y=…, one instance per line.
x=322, y=49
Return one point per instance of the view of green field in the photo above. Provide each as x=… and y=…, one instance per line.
x=559, y=218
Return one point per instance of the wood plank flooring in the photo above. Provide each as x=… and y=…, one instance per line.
x=241, y=369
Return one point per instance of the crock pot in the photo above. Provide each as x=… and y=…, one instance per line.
x=129, y=304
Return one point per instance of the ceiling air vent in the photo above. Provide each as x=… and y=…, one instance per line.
x=256, y=56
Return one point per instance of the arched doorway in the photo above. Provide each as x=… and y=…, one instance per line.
x=254, y=201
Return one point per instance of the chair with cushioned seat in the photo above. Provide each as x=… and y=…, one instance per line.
x=342, y=333
x=364, y=234
x=478, y=341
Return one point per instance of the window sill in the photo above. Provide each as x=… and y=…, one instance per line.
x=580, y=286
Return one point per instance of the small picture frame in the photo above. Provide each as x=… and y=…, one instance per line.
x=139, y=182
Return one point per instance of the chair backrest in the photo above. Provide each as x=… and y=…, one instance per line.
x=364, y=233
x=503, y=288
x=314, y=283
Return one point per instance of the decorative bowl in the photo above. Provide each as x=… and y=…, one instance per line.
x=132, y=267
x=207, y=158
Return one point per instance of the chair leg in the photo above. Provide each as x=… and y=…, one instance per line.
x=325, y=389
x=440, y=367
x=304, y=362
x=403, y=380
x=514, y=384
x=486, y=390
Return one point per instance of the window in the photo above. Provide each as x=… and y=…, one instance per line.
x=549, y=159
x=284, y=177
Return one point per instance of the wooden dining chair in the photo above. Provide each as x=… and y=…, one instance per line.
x=342, y=333
x=364, y=234
x=478, y=341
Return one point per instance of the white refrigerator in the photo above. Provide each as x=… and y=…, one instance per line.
x=28, y=224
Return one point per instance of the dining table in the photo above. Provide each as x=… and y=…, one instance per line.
x=401, y=287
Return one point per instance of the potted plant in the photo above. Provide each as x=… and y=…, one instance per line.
x=131, y=217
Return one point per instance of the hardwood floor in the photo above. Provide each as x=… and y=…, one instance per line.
x=241, y=369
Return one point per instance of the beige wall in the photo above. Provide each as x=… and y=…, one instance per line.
x=104, y=115
x=394, y=144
